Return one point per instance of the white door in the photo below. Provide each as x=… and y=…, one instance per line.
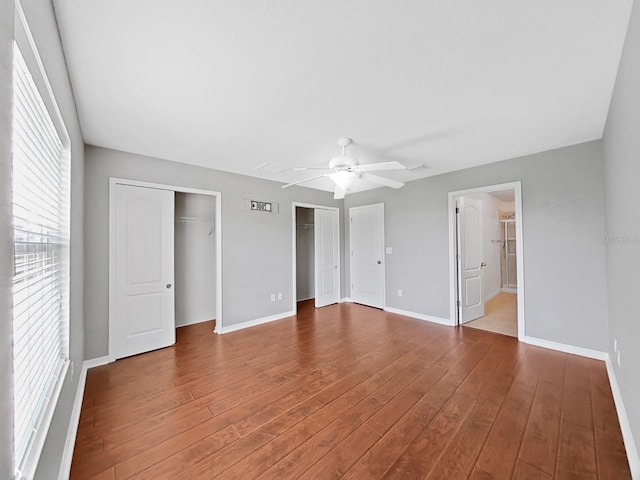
x=327, y=257
x=144, y=317
x=471, y=264
x=366, y=246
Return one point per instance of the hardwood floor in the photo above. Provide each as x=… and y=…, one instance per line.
x=349, y=392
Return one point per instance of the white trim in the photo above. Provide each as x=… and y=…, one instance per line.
x=113, y=181
x=625, y=426
x=419, y=316
x=305, y=299
x=50, y=99
x=74, y=419
x=563, y=347
x=97, y=362
x=509, y=290
x=345, y=300
x=517, y=187
x=253, y=323
x=36, y=444
x=294, y=247
x=623, y=419
x=27, y=45
x=194, y=322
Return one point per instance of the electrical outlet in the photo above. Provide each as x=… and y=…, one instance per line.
x=399, y=292
x=615, y=345
x=273, y=297
x=279, y=295
x=618, y=358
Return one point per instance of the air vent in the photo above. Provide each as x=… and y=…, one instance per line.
x=269, y=168
x=418, y=168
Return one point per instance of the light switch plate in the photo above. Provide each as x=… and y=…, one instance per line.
x=389, y=250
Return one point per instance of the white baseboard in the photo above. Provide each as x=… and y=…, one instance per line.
x=625, y=427
x=344, y=300
x=253, y=323
x=70, y=442
x=195, y=322
x=509, y=290
x=305, y=299
x=97, y=362
x=72, y=431
x=418, y=316
x=562, y=347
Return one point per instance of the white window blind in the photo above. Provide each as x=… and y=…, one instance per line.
x=40, y=184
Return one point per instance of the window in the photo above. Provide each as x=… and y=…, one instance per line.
x=40, y=189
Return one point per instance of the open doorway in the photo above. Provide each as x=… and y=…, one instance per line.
x=305, y=255
x=316, y=255
x=195, y=258
x=152, y=247
x=485, y=251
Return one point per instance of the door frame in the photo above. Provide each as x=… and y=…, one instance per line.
x=294, y=249
x=383, y=253
x=113, y=181
x=516, y=186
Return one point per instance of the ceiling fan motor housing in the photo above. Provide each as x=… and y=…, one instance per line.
x=343, y=162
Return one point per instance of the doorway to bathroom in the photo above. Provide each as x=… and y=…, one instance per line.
x=486, y=260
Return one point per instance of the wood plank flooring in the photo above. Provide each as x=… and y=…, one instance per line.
x=349, y=392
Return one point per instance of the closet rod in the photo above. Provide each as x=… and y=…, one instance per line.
x=195, y=219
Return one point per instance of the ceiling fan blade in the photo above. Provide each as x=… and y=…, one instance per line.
x=339, y=193
x=310, y=168
x=305, y=180
x=387, y=182
x=372, y=167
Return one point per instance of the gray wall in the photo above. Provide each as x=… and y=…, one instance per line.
x=257, y=256
x=563, y=223
x=622, y=174
x=6, y=245
x=41, y=18
x=195, y=258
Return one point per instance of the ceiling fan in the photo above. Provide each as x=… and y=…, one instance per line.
x=345, y=169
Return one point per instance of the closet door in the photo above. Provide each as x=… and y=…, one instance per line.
x=327, y=257
x=144, y=316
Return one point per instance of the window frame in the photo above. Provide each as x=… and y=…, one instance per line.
x=25, y=467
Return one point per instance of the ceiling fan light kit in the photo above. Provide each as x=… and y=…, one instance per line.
x=343, y=178
x=345, y=169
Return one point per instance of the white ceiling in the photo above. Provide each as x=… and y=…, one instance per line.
x=234, y=84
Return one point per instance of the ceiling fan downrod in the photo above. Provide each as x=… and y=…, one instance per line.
x=344, y=142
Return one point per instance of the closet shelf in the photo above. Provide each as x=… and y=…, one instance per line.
x=195, y=220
